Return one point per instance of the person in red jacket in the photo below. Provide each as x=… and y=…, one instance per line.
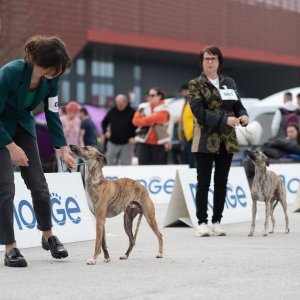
x=152, y=117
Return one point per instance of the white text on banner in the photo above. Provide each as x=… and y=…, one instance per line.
x=71, y=218
x=182, y=203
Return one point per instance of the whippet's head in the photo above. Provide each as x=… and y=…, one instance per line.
x=258, y=158
x=89, y=154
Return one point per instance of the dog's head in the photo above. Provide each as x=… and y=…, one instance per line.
x=89, y=153
x=258, y=158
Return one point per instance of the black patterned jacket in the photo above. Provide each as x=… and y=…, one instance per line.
x=211, y=113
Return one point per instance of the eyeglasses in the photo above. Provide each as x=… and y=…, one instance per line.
x=152, y=95
x=212, y=59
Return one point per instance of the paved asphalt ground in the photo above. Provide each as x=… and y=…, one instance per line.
x=231, y=267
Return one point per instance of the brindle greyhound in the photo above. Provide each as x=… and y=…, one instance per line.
x=269, y=188
x=108, y=198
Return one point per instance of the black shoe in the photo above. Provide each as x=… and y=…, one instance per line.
x=14, y=258
x=55, y=246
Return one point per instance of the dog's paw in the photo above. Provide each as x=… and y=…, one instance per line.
x=123, y=257
x=265, y=233
x=106, y=260
x=91, y=262
x=287, y=230
x=250, y=234
x=159, y=255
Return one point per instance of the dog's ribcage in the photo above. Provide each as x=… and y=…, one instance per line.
x=265, y=186
x=116, y=194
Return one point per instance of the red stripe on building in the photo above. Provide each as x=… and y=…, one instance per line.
x=183, y=46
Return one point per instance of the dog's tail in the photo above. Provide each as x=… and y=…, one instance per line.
x=138, y=226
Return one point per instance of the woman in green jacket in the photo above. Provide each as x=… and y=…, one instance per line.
x=24, y=84
x=217, y=109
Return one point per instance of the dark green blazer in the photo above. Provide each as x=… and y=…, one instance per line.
x=15, y=78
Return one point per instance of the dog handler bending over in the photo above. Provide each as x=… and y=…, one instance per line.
x=24, y=84
x=217, y=109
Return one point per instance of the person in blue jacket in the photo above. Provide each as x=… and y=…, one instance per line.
x=24, y=84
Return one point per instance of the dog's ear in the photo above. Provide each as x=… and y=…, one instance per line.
x=266, y=158
x=267, y=161
x=102, y=158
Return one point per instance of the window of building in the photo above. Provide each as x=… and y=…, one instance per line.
x=80, y=92
x=65, y=90
x=80, y=66
x=137, y=90
x=137, y=73
x=102, y=94
x=102, y=69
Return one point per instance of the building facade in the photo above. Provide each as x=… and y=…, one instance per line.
x=128, y=46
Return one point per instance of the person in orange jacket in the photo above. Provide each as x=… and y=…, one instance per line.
x=152, y=119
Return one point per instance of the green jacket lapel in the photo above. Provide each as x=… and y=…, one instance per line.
x=24, y=85
x=42, y=91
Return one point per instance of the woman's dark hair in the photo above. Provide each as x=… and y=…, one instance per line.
x=84, y=111
x=47, y=52
x=297, y=128
x=159, y=92
x=213, y=50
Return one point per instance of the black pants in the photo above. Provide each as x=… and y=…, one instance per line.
x=204, y=162
x=35, y=181
x=152, y=154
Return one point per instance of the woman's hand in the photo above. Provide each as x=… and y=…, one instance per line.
x=244, y=120
x=233, y=121
x=17, y=155
x=68, y=160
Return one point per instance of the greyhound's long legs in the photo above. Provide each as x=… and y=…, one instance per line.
x=268, y=208
x=284, y=206
x=100, y=221
x=137, y=226
x=254, y=210
x=149, y=213
x=272, y=217
x=129, y=214
x=104, y=247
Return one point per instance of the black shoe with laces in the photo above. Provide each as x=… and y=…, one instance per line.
x=14, y=258
x=55, y=246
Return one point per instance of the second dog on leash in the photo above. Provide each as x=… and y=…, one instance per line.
x=108, y=198
x=269, y=188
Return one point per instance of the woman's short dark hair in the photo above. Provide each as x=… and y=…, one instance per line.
x=297, y=128
x=47, y=52
x=159, y=92
x=213, y=50
x=84, y=111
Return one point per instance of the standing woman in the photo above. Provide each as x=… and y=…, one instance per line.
x=24, y=84
x=154, y=117
x=217, y=109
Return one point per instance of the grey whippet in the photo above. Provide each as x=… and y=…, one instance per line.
x=269, y=188
x=108, y=198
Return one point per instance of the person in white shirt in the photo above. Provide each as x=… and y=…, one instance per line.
x=278, y=122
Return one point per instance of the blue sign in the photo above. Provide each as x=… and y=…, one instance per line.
x=234, y=196
x=61, y=212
